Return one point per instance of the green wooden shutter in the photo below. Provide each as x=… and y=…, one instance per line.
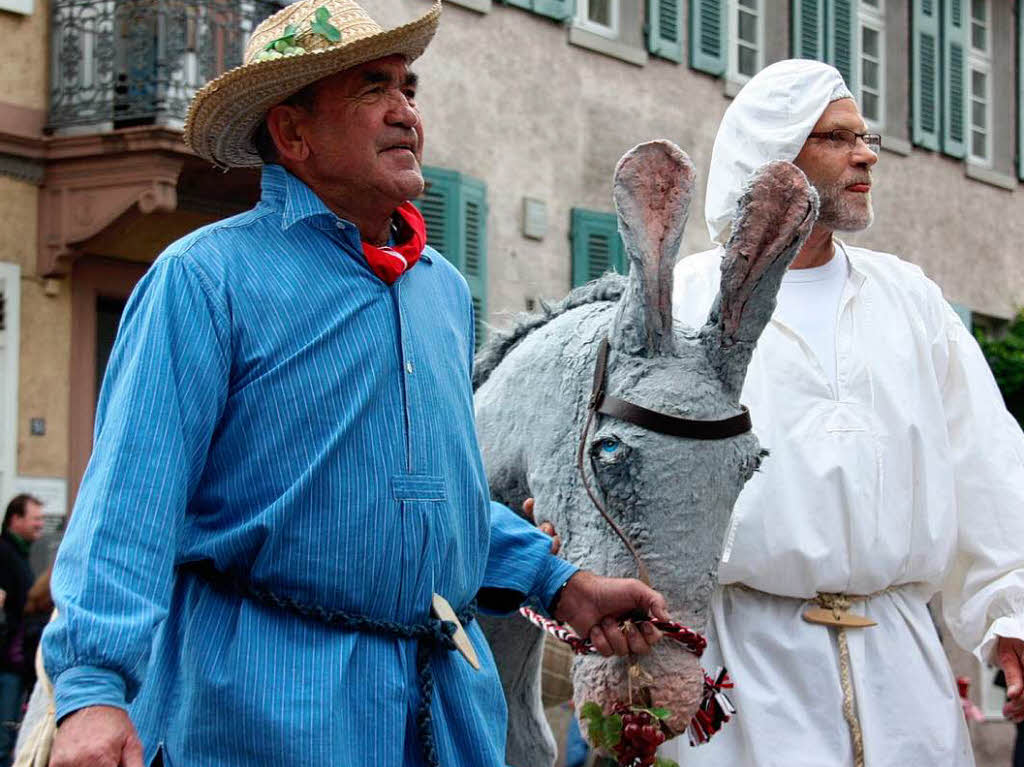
x=527, y=4
x=924, y=74
x=954, y=78
x=596, y=245
x=808, y=29
x=841, y=39
x=665, y=28
x=454, y=208
x=438, y=204
x=556, y=9
x=474, y=251
x=707, y=36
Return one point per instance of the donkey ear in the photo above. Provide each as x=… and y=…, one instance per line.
x=652, y=190
x=773, y=218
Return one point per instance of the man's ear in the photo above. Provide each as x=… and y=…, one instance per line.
x=287, y=127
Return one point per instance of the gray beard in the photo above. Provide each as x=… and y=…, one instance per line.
x=840, y=215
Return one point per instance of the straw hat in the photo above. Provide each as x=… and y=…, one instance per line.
x=298, y=45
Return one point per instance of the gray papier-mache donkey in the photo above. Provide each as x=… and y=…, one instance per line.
x=672, y=496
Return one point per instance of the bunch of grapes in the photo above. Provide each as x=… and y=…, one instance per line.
x=641, y=736
x=631, y=733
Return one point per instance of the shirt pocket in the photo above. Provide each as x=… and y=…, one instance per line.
x=418, y=487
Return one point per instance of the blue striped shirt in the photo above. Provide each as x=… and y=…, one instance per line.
x=273, y=406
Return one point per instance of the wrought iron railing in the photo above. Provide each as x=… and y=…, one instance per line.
x=117, y=63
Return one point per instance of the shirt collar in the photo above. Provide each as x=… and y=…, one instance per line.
x=857, y=275
x=297, y=202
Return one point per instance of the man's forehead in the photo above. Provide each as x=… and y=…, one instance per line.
x=389, y=67
x=842, y=113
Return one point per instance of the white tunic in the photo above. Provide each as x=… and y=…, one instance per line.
x=907, y=476
x=808, y=302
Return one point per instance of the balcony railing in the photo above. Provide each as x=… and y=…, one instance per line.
x=118, y=63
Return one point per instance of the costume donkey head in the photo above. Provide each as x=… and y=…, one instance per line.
x=670, y=495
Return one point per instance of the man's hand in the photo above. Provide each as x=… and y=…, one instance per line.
x=97, y=736
x=592, y=605
x=1009, y=653
x=545, y=527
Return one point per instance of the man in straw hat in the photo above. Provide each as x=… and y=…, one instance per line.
x=895, y=472
x=286, y=476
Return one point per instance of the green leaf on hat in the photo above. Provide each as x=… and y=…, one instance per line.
x=321, y=26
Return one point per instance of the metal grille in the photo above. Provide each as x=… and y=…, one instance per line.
x=137, y=62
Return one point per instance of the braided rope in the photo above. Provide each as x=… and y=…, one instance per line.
x=691, y=640
x=840, y=603
x=432, y=635
x=715, y=708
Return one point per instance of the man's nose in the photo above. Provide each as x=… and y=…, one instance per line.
x=863, y=154
x=402, y=112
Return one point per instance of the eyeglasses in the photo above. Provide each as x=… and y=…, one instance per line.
x=873, y=141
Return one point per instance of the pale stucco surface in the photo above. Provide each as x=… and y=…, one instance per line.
x=23, y=57
x=44, y=366
x=44, y=379
x=508, y=100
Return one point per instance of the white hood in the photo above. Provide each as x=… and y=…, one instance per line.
x=768, y=120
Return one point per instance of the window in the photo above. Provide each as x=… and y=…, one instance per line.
x=598, y=16
x=454, y=207
x=871, y=79
x=596, y=245
x=979, y=85
x=979, y=25
x=746, y=36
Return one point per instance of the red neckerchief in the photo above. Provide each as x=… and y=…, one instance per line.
x=391, y=261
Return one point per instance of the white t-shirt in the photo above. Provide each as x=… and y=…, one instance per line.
x=808, y=304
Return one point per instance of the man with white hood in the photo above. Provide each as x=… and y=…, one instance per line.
x=895, y=472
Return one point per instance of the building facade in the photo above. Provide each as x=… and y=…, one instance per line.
x=528, y=104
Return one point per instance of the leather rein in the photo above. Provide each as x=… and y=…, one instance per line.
x=602, y=403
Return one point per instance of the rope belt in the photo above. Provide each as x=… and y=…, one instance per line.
x=838, y=604
x=431, y=635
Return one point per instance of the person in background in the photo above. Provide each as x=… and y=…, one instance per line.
x=22, y=526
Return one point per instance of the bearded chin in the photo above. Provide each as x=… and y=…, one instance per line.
x=839, y=216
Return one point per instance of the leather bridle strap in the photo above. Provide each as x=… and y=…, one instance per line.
x=647, y=419
x=671, y=425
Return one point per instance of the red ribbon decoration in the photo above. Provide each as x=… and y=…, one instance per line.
x=715, y=708
x=390, y=262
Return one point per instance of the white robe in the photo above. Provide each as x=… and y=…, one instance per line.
x=908, y=476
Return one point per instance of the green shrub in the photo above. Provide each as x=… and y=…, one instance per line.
x=1005, y=356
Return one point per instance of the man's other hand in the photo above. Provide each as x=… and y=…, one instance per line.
x=592, y=605
x=96, y=736
x=545, y=527
x=1008, y=653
